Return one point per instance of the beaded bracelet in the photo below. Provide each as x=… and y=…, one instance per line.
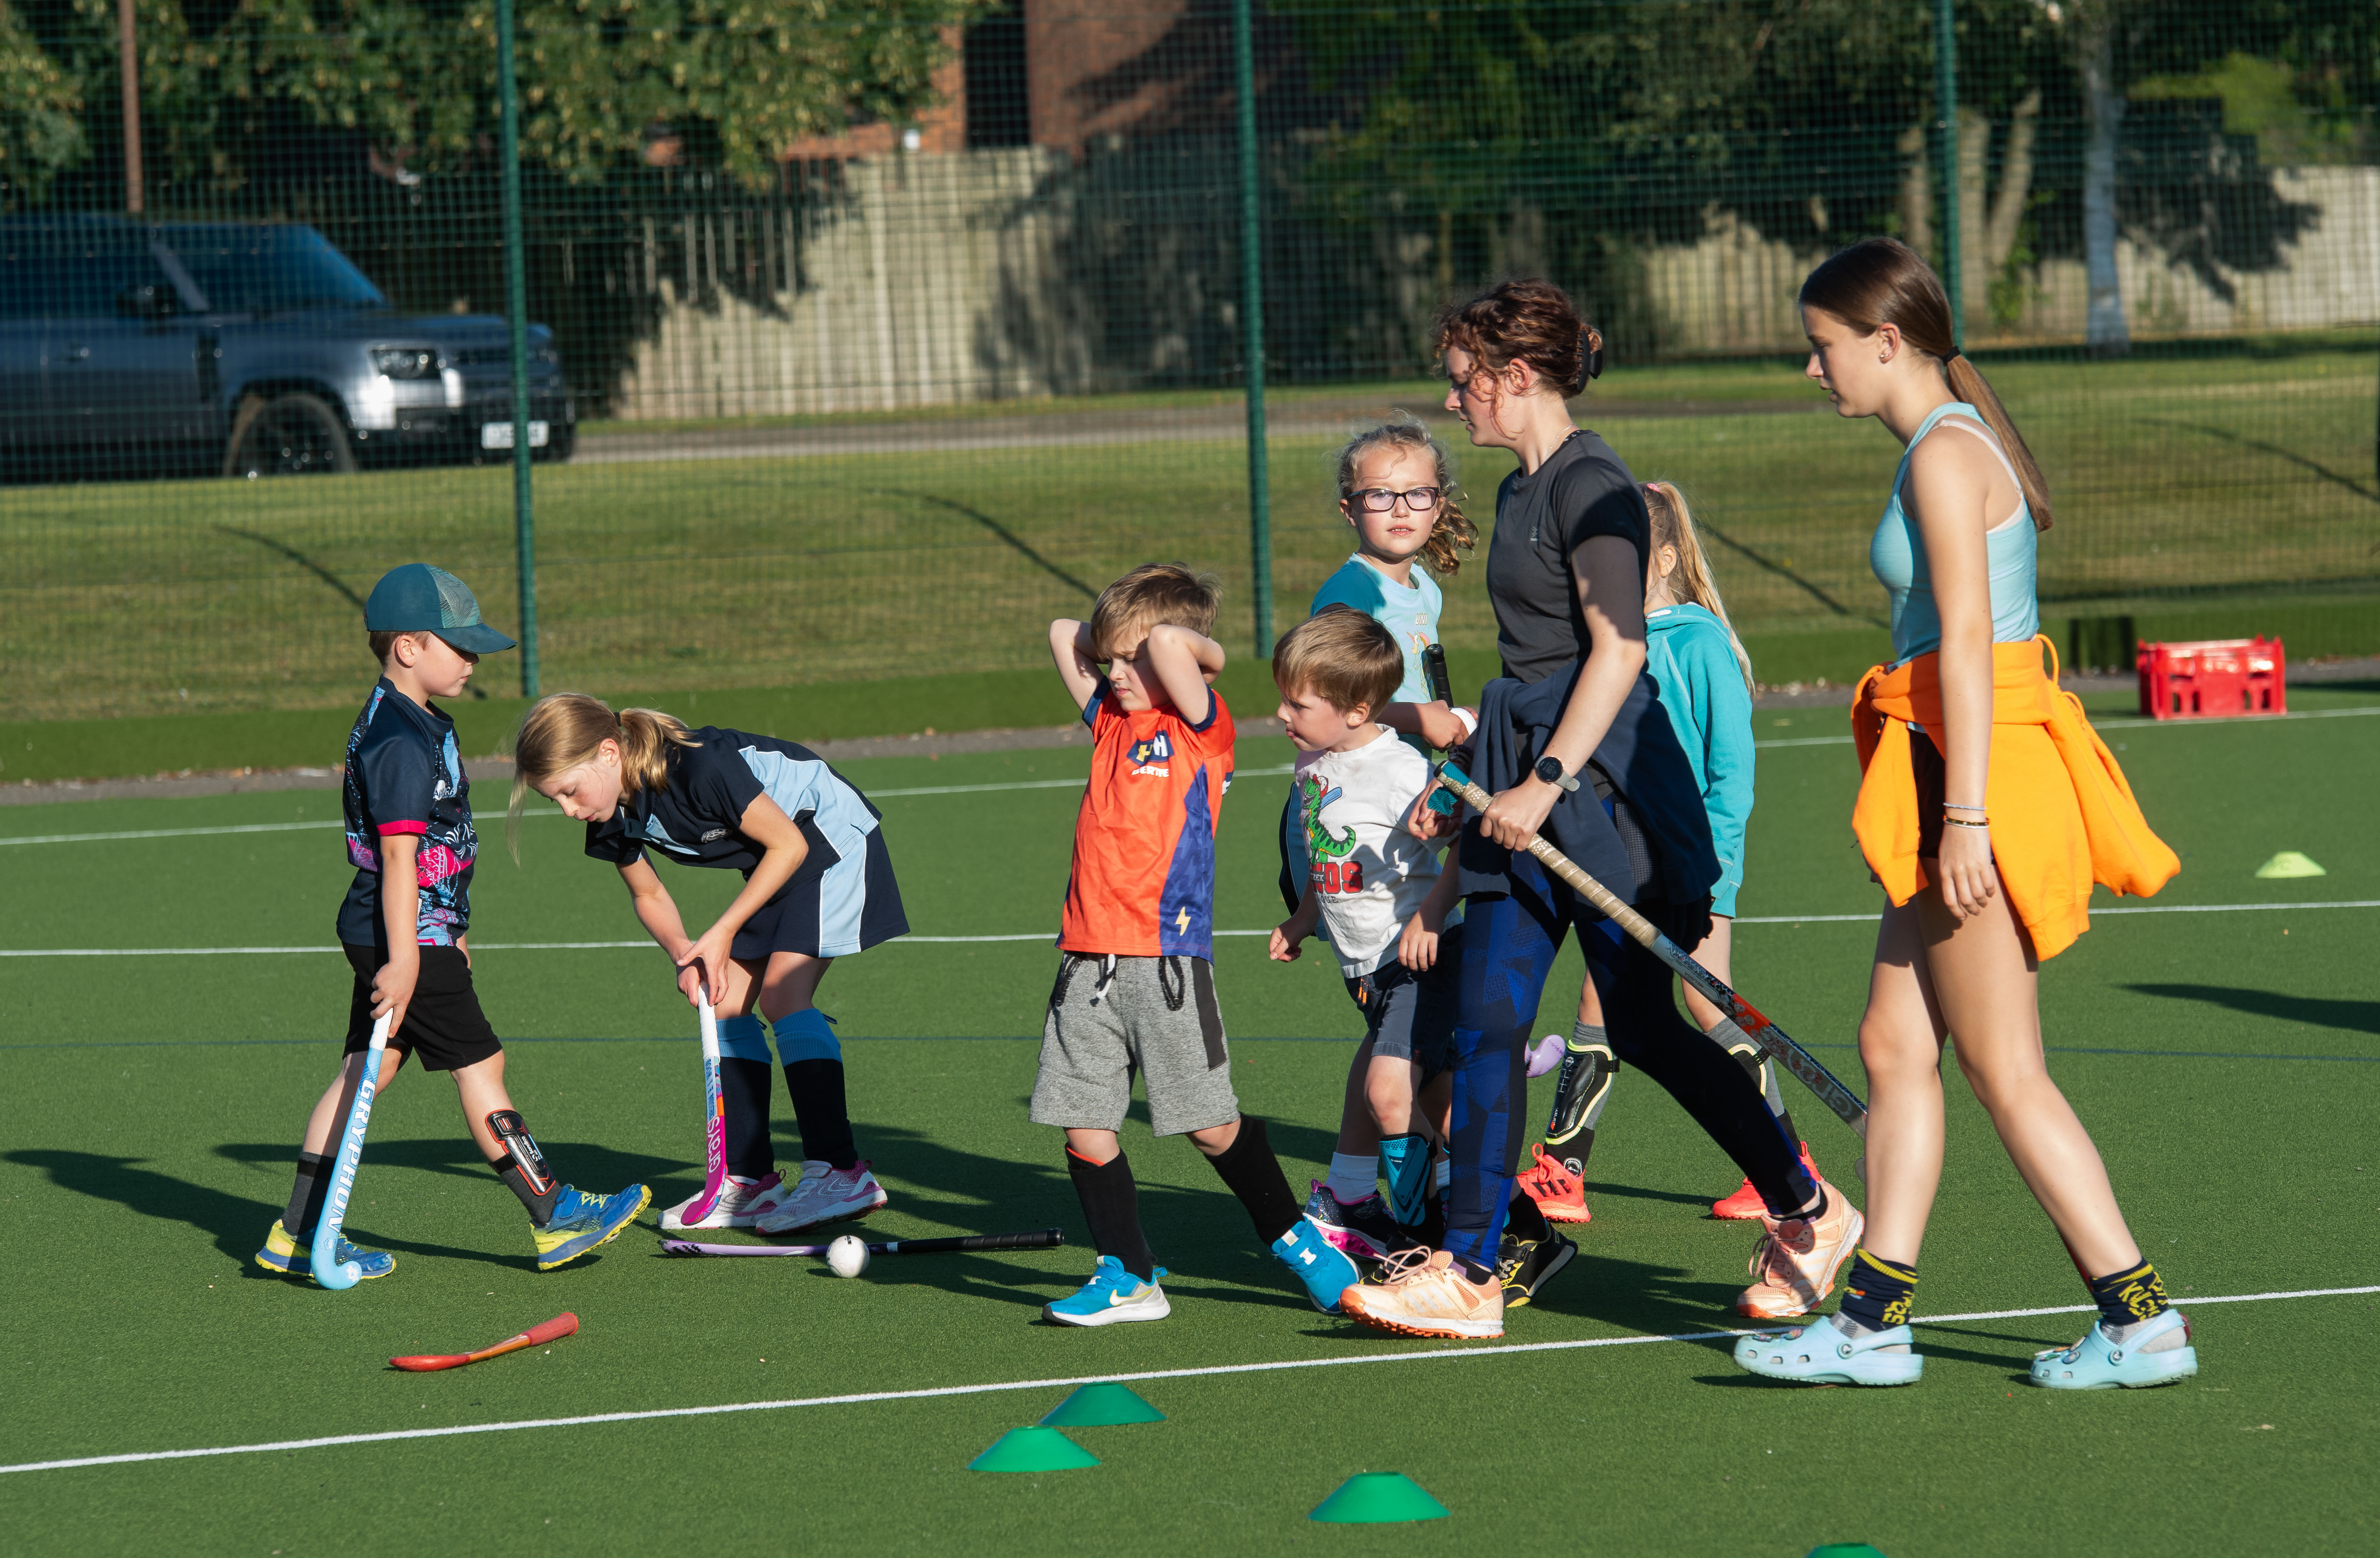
x=1955, y=806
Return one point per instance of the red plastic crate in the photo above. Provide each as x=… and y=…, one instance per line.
x=2214, y=679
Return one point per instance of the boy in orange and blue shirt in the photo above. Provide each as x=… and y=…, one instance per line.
x=1135, y=988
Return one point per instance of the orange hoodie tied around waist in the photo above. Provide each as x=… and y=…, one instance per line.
x=2061, y=812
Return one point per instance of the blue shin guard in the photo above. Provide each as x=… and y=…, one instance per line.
x=804, y=1036
x=1404, y=1163
x=743, y=1038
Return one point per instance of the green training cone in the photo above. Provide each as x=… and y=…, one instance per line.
x=2288, y=863
x=1844, y=1550
x=1033, y=1449
x=1104, y=1404
x=1376, y=1497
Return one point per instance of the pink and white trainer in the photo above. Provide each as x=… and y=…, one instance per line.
x=741, y=1204
x=825, y=1195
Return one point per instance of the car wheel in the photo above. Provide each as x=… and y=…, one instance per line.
x=288, y=435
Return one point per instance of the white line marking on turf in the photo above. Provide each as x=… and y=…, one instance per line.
x=861, y=1398
x=2115, y=725
x=298, y=827
x=1052, y=936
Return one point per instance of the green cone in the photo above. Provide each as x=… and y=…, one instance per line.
x=2287, y=864
x=1104, y=1404
x=1375, y=1497
x=1033, y=1449
x=1845, y=1550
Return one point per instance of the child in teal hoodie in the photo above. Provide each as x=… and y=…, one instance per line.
x=1704, y=678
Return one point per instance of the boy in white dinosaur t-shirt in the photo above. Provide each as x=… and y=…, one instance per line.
x=1378, y=886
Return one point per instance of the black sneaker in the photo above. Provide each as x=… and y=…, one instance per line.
x=1525, y=1266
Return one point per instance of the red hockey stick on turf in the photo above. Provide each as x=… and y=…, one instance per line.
x=559, y=1326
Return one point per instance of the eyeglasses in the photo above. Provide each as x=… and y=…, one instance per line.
x=1380, y=499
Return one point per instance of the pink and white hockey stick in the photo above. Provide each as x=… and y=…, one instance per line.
x=714, y=1110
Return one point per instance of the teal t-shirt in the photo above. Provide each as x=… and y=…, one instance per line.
x=1410, y=611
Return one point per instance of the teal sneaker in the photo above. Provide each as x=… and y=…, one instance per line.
x=2097, y=1363
x=581, y=1223
x=282, y=1255
x=1113, y=1296
x=1818, y=1354
x=1320, y=1265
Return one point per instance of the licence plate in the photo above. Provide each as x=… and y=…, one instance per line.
x=499, y=435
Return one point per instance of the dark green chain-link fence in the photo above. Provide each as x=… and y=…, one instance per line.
x=867, y=344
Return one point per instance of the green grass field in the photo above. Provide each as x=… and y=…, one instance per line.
x=2239, y=475
x=2228, y=1062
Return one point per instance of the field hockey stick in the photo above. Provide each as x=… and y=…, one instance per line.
x=714, y=1107
x=561, y=1325
x=1039, y=1239
x=1773, y=1040
x=328, y=1269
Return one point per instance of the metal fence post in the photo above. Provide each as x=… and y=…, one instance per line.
x=1252, y=327
x=517, y=316
x=1946, y=104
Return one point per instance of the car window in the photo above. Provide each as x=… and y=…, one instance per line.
x=258, y=268
x=49, y=274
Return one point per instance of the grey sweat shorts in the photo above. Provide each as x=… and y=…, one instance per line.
x=1111, y=1017
x=1410, y=1016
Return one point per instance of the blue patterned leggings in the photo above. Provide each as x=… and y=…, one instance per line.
x=1508, y=949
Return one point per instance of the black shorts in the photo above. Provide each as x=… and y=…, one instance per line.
x=443, y=1025
x=829, y=907
x=1926, y=766
x=1410, y=1016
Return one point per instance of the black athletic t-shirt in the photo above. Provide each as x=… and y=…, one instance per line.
x=695, y=817
x=1580, y=492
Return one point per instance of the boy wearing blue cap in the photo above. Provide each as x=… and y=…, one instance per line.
x=404, y=921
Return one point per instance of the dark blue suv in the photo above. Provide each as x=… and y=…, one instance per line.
x=254, y=348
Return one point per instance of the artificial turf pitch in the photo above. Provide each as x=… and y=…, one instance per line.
x=2225, y=1061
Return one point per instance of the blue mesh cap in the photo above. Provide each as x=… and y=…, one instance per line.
x=420, y=598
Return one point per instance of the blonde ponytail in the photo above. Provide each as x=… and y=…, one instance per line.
x=1674, y=526
x=565, y=731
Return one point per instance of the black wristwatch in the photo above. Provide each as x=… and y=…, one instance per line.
x=1549, y=770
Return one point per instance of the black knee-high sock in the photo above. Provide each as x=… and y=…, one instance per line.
x=1737, y=1043
x=1111, y=1206
x=743, y=1094
x=1522, y=1219
x=306, y=1196
x=1249, y=1167
x=818, y=1108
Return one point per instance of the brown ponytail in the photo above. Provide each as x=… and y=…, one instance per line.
x=1878, y=282
x=565, y=731
x=1452, y=534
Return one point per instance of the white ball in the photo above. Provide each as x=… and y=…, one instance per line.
x=847, y=1256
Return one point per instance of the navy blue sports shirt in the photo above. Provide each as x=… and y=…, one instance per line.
x=404, y=776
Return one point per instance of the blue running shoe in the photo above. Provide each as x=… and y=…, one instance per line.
x=1316, y=1263
x=282, y=1254
x=1113, y=1296
x=2097, y=1363
x=581, y=1223
x=1818, y=1354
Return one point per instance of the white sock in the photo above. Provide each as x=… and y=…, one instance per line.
x=1443, y=1173
x=1354, y=1177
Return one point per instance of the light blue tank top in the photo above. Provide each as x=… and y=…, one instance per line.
x=1897, y=555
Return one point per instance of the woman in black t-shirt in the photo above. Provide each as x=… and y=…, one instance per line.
x=1581, y=752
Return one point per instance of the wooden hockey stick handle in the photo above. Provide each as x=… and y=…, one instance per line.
x=1773, y=1040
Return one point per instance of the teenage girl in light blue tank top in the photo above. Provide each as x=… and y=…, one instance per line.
x=1953, y=956
x=1897, y=555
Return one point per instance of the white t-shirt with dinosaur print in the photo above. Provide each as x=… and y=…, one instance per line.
x=1370, y=874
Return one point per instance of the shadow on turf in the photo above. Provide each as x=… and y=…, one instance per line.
x=2352, y=1016
x=239, y=1225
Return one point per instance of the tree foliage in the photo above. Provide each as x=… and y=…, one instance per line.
x=233, y=90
